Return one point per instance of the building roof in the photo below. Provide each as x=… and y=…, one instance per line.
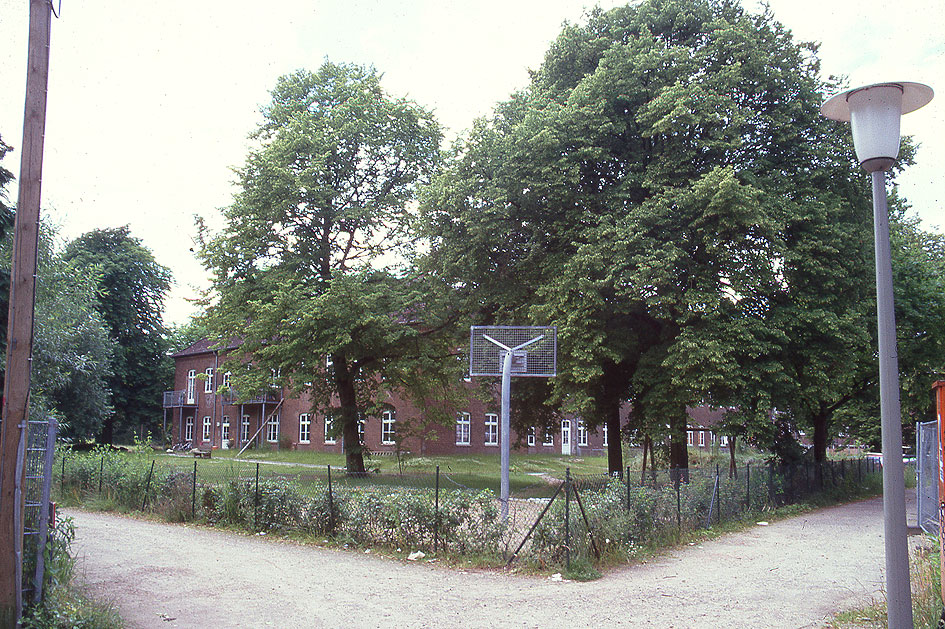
x=705, y=416
x=206, y=346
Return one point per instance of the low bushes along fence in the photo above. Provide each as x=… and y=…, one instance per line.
x=608, y=517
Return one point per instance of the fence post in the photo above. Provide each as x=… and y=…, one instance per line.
x=436, y=513
x=101, y=473
x=567, y=517
x=628, y=488
x=748, y=486
x=147, y=487
x=193, y=494
x=718, y=493
x=678, y=482
x=256, y=499
x=331, y=504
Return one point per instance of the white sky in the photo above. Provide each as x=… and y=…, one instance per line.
x=149, y=105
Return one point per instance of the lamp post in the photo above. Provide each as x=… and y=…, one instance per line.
x=874, y=113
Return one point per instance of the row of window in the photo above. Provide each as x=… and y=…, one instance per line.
x=388, y=432
x=704, y=436
x=491, y=425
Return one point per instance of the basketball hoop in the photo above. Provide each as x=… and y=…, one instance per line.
x=506, y=351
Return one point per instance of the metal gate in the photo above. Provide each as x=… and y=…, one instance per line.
x=926, y=464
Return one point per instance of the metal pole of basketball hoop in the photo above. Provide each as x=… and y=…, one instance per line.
x=507, y=357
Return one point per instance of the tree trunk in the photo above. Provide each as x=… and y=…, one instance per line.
x=347, y=397
x=614, y=442
x=820, y=437
x=678, y=449
x=647, y=445
x=108, y=430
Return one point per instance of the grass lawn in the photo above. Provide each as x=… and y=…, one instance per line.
x=479, y=465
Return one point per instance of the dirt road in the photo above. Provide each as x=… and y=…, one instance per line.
x=792, y=573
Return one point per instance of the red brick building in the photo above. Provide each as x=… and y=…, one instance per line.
x=199, y=412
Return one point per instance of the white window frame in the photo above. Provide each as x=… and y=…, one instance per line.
x=225, y=429
x=549, y=438
x=244, y=429
x=491, y=437
x=582, y=433
x=530, y=437
x=192, y=386
x=388, y=430
x=208, y=383
x=189, y=428
x=305, y=428
x=565, y=432
x=690, y=438
x=225, y=381
x=606, y=436
x=701, y=438
x=723, y=440
x=360, y=430
x=207, y=428
x=329, y=424
x=463, y=423
x=272, y=430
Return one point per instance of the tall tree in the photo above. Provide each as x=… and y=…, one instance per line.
x=641, y=195
x=298, y=271
x=6, y=224
x=71, y=358
x=132, y=287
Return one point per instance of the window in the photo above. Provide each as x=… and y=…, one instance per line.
x=605, y=436
x=305, y=428
x=701, y=438
x=549, y=438
x=189, y=428
x=226, y=380
x=492, y=429
x=360, y=429
x=207, y=427
x=272, y=430
x=723, y=441
x=225, y=428
x=462, y=429
x=690, y=440
x=530, y=437
x=244, y=429
x=191, y=386
x=582, y=433
x=387, y=428
x=329, y=429
x=208, y=383
x=565, y=432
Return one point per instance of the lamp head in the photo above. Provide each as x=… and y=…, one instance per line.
x=874, y=112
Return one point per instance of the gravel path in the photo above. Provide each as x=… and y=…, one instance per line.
x=793, y=573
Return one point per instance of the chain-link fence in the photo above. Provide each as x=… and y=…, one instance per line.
x=551, y=522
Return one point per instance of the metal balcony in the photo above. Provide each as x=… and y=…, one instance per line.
x=176, y=399
x=232, y=397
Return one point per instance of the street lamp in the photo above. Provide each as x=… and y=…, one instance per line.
x=874, y=112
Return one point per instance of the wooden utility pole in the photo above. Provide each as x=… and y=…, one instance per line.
x=20, y=327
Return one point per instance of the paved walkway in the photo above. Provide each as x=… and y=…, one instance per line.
x=793, y=573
